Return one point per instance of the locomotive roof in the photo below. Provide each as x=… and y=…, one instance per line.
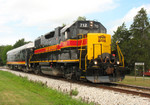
x=29, y=45
x=66, y=27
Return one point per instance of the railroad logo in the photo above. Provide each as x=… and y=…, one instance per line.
x=101, y=38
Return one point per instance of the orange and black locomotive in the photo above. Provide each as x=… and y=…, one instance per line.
x=81, y=50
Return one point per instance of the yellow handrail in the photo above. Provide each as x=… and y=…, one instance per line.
x=85, y=62
x=121, y=57
x=80, y=52
x=30, y=59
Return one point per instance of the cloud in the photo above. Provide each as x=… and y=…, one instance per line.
x=11, y=38
x=130, y=15
x=18, y=15
x=33, y=12
x=128, y=18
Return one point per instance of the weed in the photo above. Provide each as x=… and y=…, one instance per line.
x=74, y=92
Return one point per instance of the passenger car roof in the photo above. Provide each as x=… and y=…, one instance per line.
x=26, y=46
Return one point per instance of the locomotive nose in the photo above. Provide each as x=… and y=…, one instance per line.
x=99, y=72
x=109, y=70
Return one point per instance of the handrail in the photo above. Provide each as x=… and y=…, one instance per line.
x=80, y=52
x=30, y=59
x=121, y=57
x=86, y=62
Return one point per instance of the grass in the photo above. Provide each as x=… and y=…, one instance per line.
x=138, y=82
x=15, y=90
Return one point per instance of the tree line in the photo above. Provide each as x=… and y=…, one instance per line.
x=135, y=41
x=5, y=48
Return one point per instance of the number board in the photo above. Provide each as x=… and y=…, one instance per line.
x=87, y=24
x=83, y=24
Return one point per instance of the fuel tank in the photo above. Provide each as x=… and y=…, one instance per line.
x=51, y=71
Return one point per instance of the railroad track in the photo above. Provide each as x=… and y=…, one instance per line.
x=122, y=88
x=128, y=89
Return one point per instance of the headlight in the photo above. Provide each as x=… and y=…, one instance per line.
x=91, y=24
x=118, y=62
x=95, y=62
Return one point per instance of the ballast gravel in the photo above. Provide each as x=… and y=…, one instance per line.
x=88, y=94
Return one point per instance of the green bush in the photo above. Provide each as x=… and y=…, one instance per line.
x=75, y=92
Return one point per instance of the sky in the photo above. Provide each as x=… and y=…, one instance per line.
x=30, y=19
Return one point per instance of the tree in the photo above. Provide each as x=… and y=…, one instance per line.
x=81, y=18
x=135, y=43
x=141, y=25
x=140, y=30
x=4, y=53
x=1, y=51
x=63, y=24
x=122, y=35
x=19, y=43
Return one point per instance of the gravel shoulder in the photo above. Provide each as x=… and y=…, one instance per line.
x=88, y=94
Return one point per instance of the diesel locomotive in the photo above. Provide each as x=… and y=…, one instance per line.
x=81, y=50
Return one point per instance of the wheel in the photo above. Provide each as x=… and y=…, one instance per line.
x=24, y=69
x=37, y=70
x=12, y=67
